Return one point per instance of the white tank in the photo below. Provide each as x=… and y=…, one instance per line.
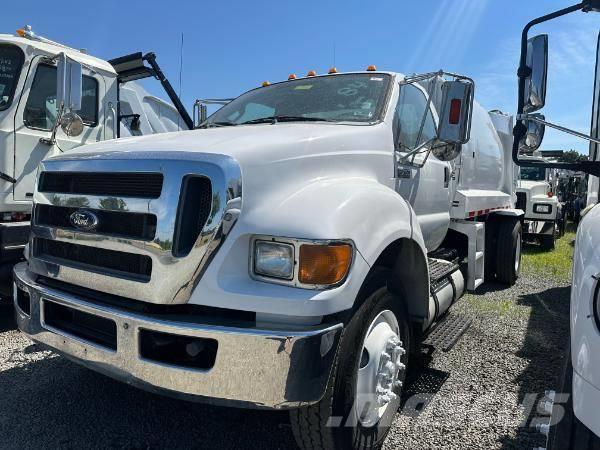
x=483, y=157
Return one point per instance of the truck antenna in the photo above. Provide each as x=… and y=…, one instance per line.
x=180, y=73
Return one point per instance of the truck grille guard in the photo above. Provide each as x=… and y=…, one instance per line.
x=155, y=259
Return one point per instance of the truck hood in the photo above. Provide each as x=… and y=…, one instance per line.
x=249, y=144
x=534, y=188
x=277, y=162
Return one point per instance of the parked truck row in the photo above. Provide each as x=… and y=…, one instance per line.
x=290, y=253
x=293, y=250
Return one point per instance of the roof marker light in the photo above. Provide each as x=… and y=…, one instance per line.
x=371, y=68
x=311, y=73
x=265, y=83
x=292, y=76
x=332, y=70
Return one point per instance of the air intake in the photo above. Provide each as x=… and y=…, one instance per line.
x=137, y=184
x=195, y=204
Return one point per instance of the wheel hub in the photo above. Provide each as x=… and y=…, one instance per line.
x=387, y=373
x=378, y=374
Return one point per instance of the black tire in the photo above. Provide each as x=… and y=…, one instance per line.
x=312, y=424
x=569, y=433
x=508, y=243
x=547, y=241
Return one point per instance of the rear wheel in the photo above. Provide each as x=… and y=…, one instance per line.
x=548, y=241
x=364, y=393
x=508, y=254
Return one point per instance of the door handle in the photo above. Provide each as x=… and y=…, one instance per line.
x=446, y=177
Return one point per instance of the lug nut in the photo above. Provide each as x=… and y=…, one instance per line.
x=543, y=428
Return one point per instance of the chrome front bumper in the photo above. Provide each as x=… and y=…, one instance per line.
x=254, y=367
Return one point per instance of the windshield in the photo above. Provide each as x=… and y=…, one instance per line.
x=11, y=60
x=333, y=98
x=533, y=173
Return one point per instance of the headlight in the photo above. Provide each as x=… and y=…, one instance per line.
x=274, y=259
x=540, y=208
x=301, y=263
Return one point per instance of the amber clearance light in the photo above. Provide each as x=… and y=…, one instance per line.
x=324, y=264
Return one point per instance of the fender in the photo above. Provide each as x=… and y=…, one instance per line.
x=373, y=216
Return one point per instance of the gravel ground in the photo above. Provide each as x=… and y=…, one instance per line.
x=482, y=394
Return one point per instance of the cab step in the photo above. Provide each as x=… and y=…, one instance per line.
x=440, y=269
x=447, y=332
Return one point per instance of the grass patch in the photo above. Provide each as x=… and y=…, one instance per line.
x=555, y=263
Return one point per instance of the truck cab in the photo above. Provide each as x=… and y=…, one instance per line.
x=536, y=196
x=29, y=123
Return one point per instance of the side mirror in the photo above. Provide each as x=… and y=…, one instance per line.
x=534, y=136
x=447, y=152
x=455, y=112
x=71, y=124
x=69, y=89
x=537, y=63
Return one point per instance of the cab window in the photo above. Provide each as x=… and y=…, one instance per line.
x=41, y=108
x=11, y=61
x=414, y=124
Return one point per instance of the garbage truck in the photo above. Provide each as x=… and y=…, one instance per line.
x=289, y=254
x=110, y=104
x=573, y=421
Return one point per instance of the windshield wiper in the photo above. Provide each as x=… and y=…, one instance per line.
x=219, y=124
x=275, y=119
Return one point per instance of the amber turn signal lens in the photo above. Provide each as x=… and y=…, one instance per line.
x=311, y=73
x=324, y=264
x=371, y=68
x=265, y=84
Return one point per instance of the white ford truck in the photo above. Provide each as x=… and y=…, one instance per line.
x=575, y=423
x=109, y=104
x=536, y=197
x=289, y=254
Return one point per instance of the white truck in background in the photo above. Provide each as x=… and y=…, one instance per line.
x=536, y=196
x=575, y=423
x=111, y=104
x=289, y=254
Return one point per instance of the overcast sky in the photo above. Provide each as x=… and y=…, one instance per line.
x=232, y=46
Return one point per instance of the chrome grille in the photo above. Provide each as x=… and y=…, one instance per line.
x=116, y=223
x=132, y=249
x=120, y=264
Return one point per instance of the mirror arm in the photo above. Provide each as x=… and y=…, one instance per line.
x=52, y=139
x=534, y=118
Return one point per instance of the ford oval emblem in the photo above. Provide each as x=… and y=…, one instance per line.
x=84, y=220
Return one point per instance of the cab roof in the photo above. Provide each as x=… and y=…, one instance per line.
x=53, y=49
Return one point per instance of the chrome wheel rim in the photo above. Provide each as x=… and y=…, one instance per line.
x=518, y=254
x=378, y=369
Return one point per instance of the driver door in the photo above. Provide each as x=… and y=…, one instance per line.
x=422, y=180
x=36, y=116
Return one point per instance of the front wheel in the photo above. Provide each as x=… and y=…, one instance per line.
x=364, y=392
